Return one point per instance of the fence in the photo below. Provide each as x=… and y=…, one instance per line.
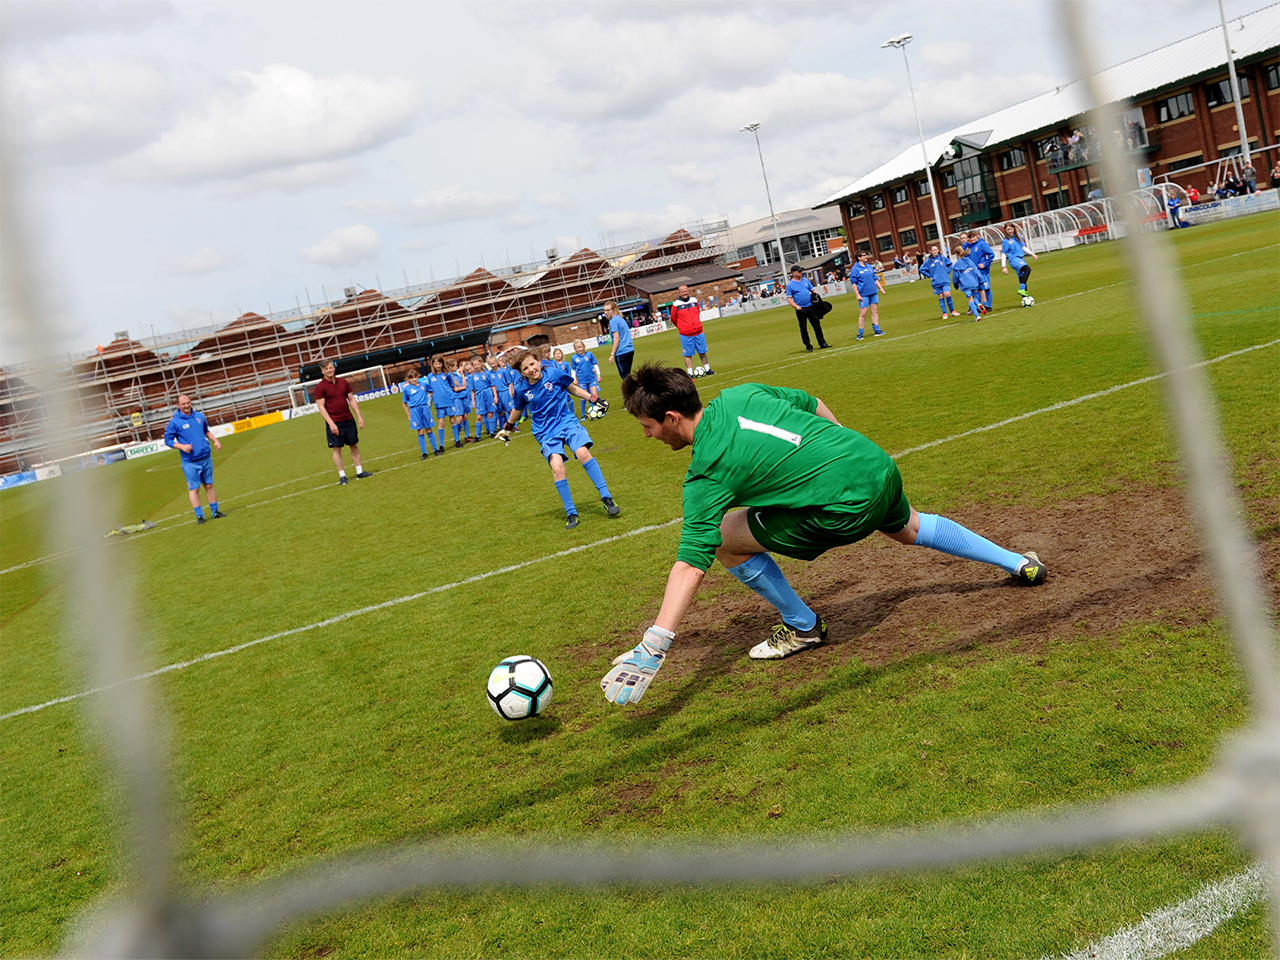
x=1241, y=793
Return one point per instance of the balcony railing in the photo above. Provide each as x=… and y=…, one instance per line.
x=1135, y=139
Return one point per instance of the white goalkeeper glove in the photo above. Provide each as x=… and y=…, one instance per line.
x=504, y=435
x=633, y=671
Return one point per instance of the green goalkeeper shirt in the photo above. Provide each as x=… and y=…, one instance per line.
x=763, y=446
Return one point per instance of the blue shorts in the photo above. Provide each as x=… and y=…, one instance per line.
x=198, y=472
x=420, y=418
x=942, y=291
x=458, y=407
x=571, y=434
x=695, y=344
x=984, y=279
x=868, y=300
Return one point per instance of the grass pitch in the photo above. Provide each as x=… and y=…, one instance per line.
x=375, y=730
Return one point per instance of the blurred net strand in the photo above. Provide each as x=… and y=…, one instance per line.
x=1242, y=791
x=98, y=624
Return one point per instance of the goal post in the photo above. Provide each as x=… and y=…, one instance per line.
x=362, y=380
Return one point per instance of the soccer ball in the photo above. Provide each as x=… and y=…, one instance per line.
x=598, y=409
x=1028, y=300
x=698, y=371
x=519, y=688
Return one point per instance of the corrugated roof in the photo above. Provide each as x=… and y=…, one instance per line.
x=1252, y=34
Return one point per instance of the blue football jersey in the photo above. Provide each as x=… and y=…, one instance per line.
x=584, y=367
x=548, y=400
x=415, y=394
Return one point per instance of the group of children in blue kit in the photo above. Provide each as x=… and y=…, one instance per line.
x=486, y=387
x=969, y=270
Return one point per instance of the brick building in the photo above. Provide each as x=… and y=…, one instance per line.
x=1019, y=161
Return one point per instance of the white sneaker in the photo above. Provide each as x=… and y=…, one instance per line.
x=785, y=640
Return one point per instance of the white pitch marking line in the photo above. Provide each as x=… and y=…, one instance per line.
x=339, y=618
x=1178, y=927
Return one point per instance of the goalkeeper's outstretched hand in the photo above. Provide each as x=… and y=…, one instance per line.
x=504, y=435
x=633, y=671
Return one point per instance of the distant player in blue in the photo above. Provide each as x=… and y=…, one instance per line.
x=964, y=274
x=459, y=400
x=504, y=379
x=416, y=397
x=865, y=280
x=585, y=371
x=623, y=350
x=1013, y=254
x=485, y=392
x=541, y=391
x=936, y=268
x=983, y=256
x=441, y=397
x=188, y=433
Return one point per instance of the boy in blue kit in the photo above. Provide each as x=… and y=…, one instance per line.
x=586, y=371
x=416, y=397
x=983, y=256
x=937, y=270
x=188, y=433
x=441, y=397
x=964, y=274
x=542, y=391
x=1013, y=254
x=865, y=280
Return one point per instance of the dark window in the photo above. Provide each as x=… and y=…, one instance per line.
x=955, y=225
x=975, y=187
x=1219, y=92
x=1056, y=201
x=864, y=246
x=1021, y=209
x=908, y=237
x=1234, y=149
x=922, y=188
x=931, y=231
x=1045, y=147
x=856, y=209
x=1180, y=106
x=899, y=194
x=1273, y=76
x=886, y=244
x=1186, y=162
x=1012, y=159
x=948, y=177
x=877, y=201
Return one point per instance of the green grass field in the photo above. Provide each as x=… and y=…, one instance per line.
x=375, y=730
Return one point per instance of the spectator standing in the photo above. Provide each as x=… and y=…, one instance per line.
x=687, y=317
x=800, y=296
x=188, y=433
x=623, y=351
x=1250, y=178
x=1275, y=176
x=341, y=414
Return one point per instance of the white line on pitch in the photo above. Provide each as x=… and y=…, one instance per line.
x=344, y=616
x=1178, y=927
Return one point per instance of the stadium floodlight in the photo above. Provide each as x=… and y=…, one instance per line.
x=901, y=41
x=754, y=128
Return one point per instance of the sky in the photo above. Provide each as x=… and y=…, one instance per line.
x=183, y=163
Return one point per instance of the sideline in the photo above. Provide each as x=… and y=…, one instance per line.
x=1178, y=927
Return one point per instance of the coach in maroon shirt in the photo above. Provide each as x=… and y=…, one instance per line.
x=337, y=403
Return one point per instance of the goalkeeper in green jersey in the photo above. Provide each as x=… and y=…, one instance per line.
x=773, y=471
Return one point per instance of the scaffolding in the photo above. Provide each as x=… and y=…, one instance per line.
x=125, y=393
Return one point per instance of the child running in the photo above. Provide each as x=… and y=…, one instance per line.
x=1013, y=254
x=542, y=392
x=964, y=275
x=937, y=269
x=585, y=371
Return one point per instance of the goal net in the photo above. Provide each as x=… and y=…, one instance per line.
x=362, y=381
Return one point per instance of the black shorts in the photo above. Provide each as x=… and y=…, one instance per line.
x=346, y=435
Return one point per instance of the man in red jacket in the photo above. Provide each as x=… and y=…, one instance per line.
x=687, y=316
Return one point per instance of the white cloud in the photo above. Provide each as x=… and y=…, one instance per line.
x=278, y=118
x=204, y=260
x=952, y=53
x=344, y=247
x=80, y=110
x=293, y=179
x=26, y=20
x=520, y=220
x=787, y=104
x=556, y=201
x=646, y=223
x=451, y=205
x=688, y=174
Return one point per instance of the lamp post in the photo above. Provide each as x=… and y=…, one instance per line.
x=1235, y=85
x=901, y=41
x=755, y=129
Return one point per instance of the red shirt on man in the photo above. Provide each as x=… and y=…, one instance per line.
x=686, y=314
x=334, y=397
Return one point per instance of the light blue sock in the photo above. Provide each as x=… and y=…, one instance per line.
x=199, y=514
x=942, y=305
x=593, y=471
x=562, y=488
x=422, y=442
x=951, y=305
x=213, y=508
x=973, y=307
x=456, y=438
x=762, y=577
x=583, y=402
x=947, y=536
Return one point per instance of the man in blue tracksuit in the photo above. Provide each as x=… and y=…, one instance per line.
x=188, y=433
x=983, y=256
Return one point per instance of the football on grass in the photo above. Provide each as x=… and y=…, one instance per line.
x=519, y=688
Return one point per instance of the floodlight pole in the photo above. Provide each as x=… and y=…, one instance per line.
x=782, y=256
x=1235, y=85
x=901, y=42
